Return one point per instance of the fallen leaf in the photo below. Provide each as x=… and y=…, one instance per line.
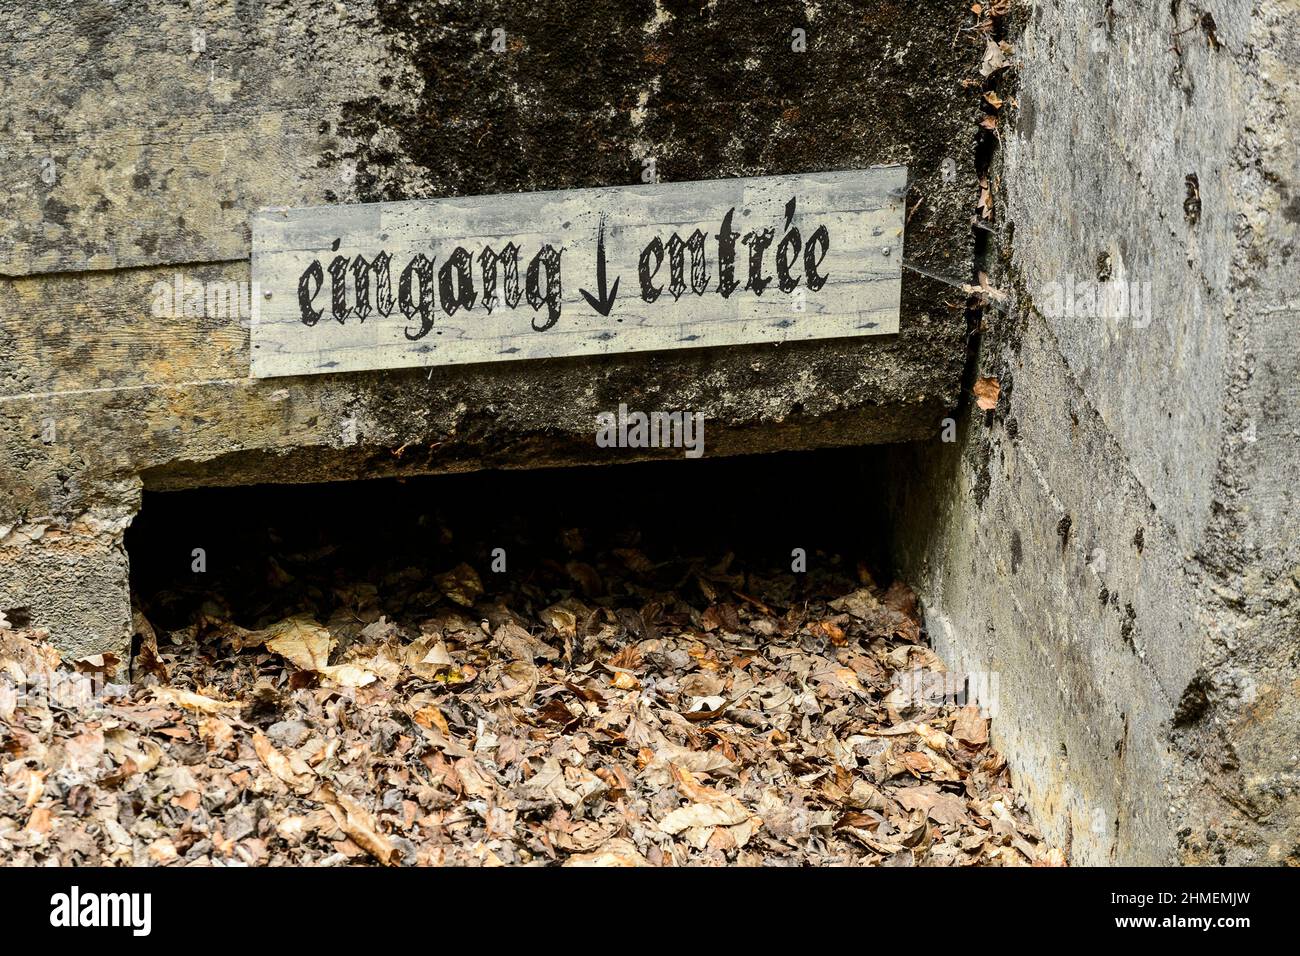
x=432, y=718
x=300, y=641
x=941, y=807
x=162, y=851
x=40, y=821
x=461, y=584
x=917, y=762
x=353, y=820
x=97, y=664
x=993, y=60
x=149, y=658
x=347, y=675
x=986, y=393
x=709, y=807
x=625, y=681
x=971, y=727
x=192, y=701
x=295, y=773
x=831, y=631
x=614, y=853
x=563, y=621
x=703, y=815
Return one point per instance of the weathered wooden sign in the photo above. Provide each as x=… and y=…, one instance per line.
x=580, y=272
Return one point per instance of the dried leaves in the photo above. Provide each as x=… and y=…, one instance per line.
x=612, y=710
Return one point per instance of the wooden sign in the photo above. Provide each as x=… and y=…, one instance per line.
x=577, y=272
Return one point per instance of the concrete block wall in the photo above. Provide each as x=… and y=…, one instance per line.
x=1120, y=538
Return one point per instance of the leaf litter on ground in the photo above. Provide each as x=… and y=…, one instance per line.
x=612, y=710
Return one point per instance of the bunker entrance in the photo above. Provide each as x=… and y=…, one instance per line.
x=260, y=553
x=541, y=666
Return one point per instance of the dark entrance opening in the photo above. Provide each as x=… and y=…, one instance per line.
x=255, y=554
x=611, y=665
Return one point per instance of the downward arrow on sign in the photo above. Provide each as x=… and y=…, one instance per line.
x=601, y=303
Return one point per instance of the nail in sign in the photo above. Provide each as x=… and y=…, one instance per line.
x=577, y=272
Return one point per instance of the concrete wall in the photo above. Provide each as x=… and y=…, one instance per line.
x=138, y=138
x=1120, y=537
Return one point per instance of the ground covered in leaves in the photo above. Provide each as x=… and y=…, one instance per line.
x=605, y=708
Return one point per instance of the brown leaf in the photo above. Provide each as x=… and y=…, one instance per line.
x=941, y=807
x=901, y=598
x=986, y=291
x=704, y=815
x=97, y=664
x=347, y=675
x=461, y=584
x=191, y=701
x=217, y=735
x=625, y=681
x=616, y=852
x=917, y=762
x=692, y=789
x=300, y=641
x=353, y=820
x=40, y=821
x=431, y=717
x=295, y=773
x=518, y=682
x=148, y=660
x=562, y=620
x=586, y=577
x=628, y=658
x=993, y=59
x=635, y=560
x=705, y=708
x=986, y=393
x=831, y=631
x=970, y=727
